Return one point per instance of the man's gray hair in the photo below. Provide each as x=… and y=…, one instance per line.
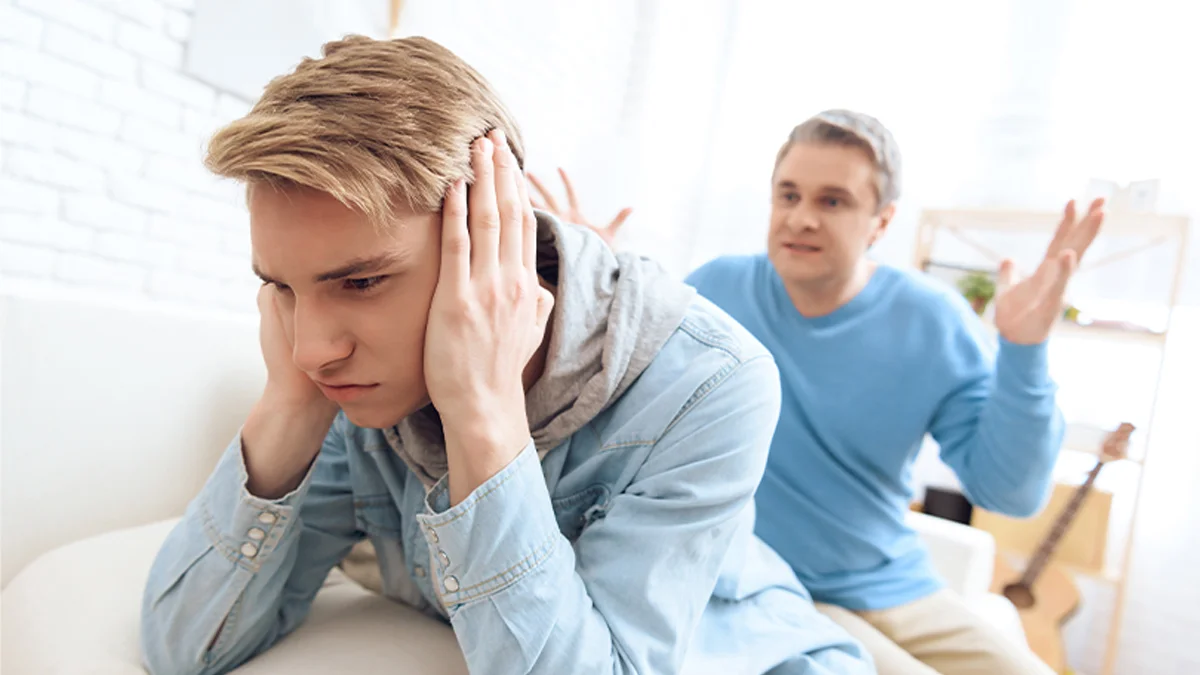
x=854, y=129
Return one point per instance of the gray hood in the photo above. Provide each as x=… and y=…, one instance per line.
x=613, y=312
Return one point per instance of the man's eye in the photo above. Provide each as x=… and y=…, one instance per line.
x=791, y=197
x=365, y=283
x=282, y=288
x=832, y=202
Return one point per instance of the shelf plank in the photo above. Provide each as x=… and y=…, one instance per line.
x=1104, y=332
x=1016, y=220
x=1072, y=330
x=1087, y=439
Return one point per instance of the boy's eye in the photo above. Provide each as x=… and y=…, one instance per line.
x=364, y=283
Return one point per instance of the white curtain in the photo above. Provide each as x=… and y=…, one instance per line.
x=1015, y=103
x=623, y=94
x=927, y=69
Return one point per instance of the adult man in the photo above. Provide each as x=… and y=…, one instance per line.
x=872, y=358
x=550, y=447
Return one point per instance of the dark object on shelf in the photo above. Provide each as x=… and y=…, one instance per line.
x=948, y=504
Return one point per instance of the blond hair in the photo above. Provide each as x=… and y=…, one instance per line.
x=857, y=130
x=375, y=123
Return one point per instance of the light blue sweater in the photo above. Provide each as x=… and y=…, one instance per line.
x=861, y=388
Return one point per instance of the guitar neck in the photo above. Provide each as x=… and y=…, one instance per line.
x=1039, y=560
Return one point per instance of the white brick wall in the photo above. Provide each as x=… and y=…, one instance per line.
x=12, y=92
x=94, y=54
x=178, y=24
x=79, y=14
x=70, y=110
x=101, y=141
x=43, y=167
x=151, y=43
x=20, y=28
x=21, y=197
x=148, y=13
x=27, y=64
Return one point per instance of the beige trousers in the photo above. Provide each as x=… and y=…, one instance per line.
x=937, y=634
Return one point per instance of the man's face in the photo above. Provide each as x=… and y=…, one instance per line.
x=823, y=213
x=354, y=300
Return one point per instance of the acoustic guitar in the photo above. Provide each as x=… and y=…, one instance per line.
x=1044, y=594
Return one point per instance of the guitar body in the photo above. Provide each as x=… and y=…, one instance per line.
x=1043, y=593
x=1054, y=597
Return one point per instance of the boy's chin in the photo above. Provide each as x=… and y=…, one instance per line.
x=380, y=416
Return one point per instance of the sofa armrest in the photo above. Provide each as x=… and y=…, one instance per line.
x=77, y=609
x=963, y=555
x=155, y=395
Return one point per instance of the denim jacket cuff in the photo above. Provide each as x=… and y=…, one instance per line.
x=245, y=528
x=502, y=531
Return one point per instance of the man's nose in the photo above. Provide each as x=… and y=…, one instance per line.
x=801, y=218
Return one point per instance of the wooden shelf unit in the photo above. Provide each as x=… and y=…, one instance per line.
x=1154, y=229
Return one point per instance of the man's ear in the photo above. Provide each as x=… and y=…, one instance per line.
x=885, y=218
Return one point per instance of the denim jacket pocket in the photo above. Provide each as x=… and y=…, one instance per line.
x=577, y=511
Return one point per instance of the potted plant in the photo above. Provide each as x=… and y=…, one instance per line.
x=1071, y=313
x=979, y=289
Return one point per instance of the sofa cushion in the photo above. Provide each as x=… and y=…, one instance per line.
x=76, y=610
x=191, y=375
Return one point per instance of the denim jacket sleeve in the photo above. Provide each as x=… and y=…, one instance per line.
x=627, y=597
x=239, y=572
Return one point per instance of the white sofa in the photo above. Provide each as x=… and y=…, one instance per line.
x=111, y=416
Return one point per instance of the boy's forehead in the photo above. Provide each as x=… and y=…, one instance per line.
x=312, y=236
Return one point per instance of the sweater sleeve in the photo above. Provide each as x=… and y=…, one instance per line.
x=1000, y=428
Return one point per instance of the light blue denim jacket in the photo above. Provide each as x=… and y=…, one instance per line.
x=629, y=548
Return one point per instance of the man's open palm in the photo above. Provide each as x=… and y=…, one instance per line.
x=1027, y=310
x=572, y=213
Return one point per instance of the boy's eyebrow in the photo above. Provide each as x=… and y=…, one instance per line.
x=359, y=266
x=354, y=267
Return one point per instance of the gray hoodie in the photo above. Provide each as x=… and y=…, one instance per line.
x=612, y=314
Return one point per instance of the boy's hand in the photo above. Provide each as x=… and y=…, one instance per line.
x=287, y=385
x=487, y=319
x=283, y=433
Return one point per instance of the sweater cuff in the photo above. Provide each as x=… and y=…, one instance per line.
x=1025, y=368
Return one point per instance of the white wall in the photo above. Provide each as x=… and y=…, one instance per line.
x=101, y=134
x=240, y=46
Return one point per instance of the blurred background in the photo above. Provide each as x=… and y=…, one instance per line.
x=677, y=108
